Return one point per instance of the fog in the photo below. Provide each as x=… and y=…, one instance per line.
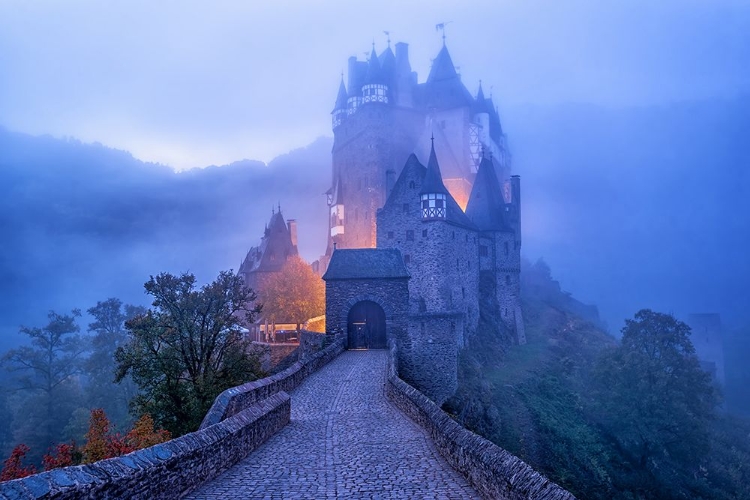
x=626, y=121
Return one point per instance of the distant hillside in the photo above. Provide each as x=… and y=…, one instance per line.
x=83, y=222
x=639, y=207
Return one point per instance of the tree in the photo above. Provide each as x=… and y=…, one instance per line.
x=13, y=467
x=295, y=294
x=109, y=332
x=188, y=348
x=46, y=373
x=656, y=404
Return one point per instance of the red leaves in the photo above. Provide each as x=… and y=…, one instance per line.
x=63, y=455
x=13, y=468
x=100, y=445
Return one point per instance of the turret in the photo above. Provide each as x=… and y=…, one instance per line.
x=434, y=195
x=336, y=205
x=375, y=88
x=339, y=110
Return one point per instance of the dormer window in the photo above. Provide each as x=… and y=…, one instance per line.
x=433, y=206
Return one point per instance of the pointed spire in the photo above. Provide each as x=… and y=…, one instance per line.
x=338, y=198
x=433, y=180
x=480, y=94
x=373, y=67
x=486, y=202
x=342, y=96
x=442, y=67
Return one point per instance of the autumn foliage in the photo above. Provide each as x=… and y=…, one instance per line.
x=294, y=294
x=13, y=467
x=100, y=444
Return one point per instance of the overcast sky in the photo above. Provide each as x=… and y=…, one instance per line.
x=190, y=83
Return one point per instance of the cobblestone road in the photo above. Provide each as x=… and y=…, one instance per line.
x=345, y=440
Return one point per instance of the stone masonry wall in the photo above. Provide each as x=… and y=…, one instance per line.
x=428, y=356
x=391, y=294
x=492, y=471
x=165, y=471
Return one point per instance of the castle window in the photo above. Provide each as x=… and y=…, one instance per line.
x=411, y=184
x=390, y=235
x=453, y=235
x=507, y=249
x=424, y=233
x=467, y=238
x=407, y=259
x=422, y=327
x=483, y=252
x=468, y=264
x=406, y=207
x=463, y=292
x=433, y=206
x=507, y=279
x=457, y=265
x=409, y=235
x=359, y=184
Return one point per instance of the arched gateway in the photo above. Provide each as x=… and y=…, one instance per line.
x=366, y=326
x=367, y=296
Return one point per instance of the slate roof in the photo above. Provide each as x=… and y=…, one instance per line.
x=444, y=89
x=373, y=69
x=433, y=181
x=366, y=263
x=486, y=203
x=342, y=96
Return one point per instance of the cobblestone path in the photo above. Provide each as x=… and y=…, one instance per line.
x=345, y=440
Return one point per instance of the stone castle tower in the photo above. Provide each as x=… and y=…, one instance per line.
x=381, y=116
x=416, y=251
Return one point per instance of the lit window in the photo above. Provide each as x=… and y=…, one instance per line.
x=433, y=206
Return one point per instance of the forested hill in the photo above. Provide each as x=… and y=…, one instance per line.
x=632, y=208
x=82, y=222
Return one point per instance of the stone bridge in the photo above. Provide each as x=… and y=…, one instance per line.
x=335, y=425
x=345, y=440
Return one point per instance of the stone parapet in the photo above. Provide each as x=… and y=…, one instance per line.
x=236, y=399
x=164, y=471
x=491, y=470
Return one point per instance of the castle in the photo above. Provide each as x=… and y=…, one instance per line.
x=411, y=246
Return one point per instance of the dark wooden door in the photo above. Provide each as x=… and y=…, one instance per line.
x=366, y=326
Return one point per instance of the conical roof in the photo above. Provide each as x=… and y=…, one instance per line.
x=373, y=69
x=387, y=62
x=338, y=195
x=442, y=67
x=444, y=89
x=433, y=181
x=342, y=96
x=482, y=104
x=486, y=203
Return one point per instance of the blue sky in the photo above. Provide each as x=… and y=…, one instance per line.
x=190, y=83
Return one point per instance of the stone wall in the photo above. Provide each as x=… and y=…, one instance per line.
x=167, y=470
x=428, y=355
x=236, y=399
x=492, y=471
x=391, y=294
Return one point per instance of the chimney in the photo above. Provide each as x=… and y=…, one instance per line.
x=402, y=58
x=291, y=224
x=352, y=70
x=390, y=180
